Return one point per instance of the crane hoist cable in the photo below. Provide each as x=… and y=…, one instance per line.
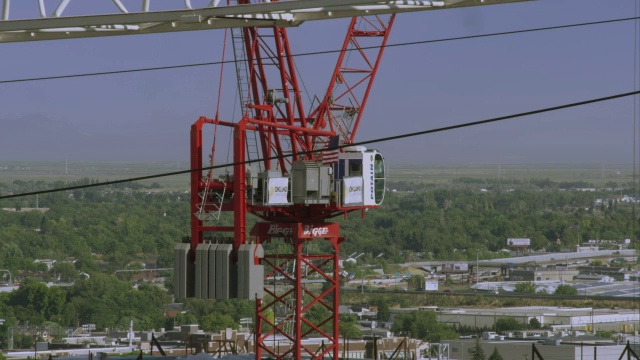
x=215, y=128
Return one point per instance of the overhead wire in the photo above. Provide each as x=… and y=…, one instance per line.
x=324, y=52
x=635, y=117
x=385, y=139
x=321, y=53
x=636, y=83
x=635, y=142
x=366, y=142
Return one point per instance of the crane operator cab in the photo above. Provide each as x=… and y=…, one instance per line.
x=356, y=178
x=359, y=177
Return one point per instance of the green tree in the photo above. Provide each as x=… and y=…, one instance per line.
x=605, y=334
x=527, y=287
x=22, y=341
x=478, y=351
x=349, y=326
x=107, y=302
x=565, y=289
x=383, y=309
x=534, y=323
x=216, y=322
x=186, y=318
x=271, y=317
x=422, y=325
x=56, y=299
x=65, y=271
x=315, y=315
x=495, y=355
x=6, y=313
x=507, y=323
x=30, y=301
x=416, y=282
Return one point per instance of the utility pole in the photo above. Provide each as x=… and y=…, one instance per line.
x=477, y=269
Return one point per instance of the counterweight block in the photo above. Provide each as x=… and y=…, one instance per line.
x=217, y=272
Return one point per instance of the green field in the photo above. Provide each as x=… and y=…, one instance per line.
x=597, y=174
x=102, y=171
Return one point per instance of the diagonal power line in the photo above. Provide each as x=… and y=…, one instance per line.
x=378, y=140
x=412, y=43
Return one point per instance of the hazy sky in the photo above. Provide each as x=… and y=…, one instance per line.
x=146, y=116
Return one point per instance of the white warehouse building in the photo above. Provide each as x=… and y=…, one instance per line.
x=558, y=318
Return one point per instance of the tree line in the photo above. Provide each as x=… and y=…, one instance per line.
x=97, y=231
x=114, y=226
x=108, y=303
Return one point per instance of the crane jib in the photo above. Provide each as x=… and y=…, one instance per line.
x=122, y=19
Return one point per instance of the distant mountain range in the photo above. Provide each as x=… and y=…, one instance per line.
x=36, y=137
x=40, y=138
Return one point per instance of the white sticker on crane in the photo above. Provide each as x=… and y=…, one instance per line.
x=352, y=191
x=278, y=191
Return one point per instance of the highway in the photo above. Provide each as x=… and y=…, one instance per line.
x=413, y=293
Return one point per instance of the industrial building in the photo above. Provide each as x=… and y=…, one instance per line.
x=463, y=350
x=557, y=319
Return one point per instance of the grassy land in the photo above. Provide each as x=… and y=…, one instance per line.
x=598, y=174
x=103, y=171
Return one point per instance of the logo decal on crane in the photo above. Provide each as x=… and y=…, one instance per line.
x=315, y=231
x=371, y=179
x=275, y=229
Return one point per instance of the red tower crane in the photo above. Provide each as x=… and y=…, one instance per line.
x=304, y=181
